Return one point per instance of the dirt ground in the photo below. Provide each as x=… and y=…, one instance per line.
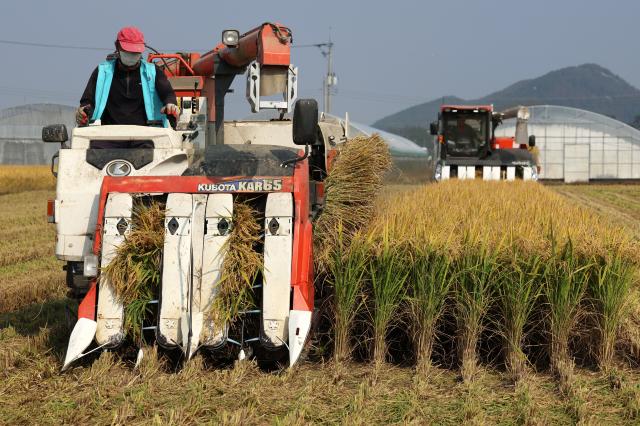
x=620, y=203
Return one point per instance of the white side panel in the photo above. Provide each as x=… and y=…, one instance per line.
x=176, y=268
x=117, y=223
x=486, y=173
x=219, y=223
x=259, y=133
x=192, y=320
x=526, y=173
x=78, y=189
x=462, y=172
x=278, y=246
x=471, y=172
x=511, y=173
x=446, y=172
x=495, y=173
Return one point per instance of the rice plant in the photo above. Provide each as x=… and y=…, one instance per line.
x=518, y=288
x=19, y=178
x=609, y=288
x=430, y=281
x=629, y=333
x=346, y=280
x=566, y=278
x=388, y=274
x=473, y=292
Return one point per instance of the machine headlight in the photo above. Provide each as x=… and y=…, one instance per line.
x=230, y=38
x=90, y=265
x=119, y=168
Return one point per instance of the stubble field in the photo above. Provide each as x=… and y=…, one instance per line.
x=36, y=318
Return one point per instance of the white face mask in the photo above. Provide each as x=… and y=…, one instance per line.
x=130, y=59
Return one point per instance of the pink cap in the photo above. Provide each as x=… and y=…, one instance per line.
x=131, y=39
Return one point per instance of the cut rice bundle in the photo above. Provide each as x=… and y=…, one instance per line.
x=241, y=265
x=351, y=188
x=135, y=271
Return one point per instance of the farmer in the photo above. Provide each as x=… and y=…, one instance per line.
x=126, y=90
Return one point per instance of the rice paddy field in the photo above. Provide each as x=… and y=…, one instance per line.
x=464, y=302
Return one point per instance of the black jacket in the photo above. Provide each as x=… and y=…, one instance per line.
x=125, y=104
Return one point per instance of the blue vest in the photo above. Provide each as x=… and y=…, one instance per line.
x=152, y=103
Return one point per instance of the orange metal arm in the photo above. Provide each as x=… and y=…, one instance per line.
x=269, y=44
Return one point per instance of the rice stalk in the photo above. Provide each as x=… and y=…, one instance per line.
x=494, y=236
x=518, y=289
x=609, y=288
x=240, y=267
x=566, y=278
x=346, y=280
x=430, y=282
x=135, y=271
x=351, y=187
x=629, y=333
x=473, y=292
x=388, y=274
x=21, y=178
x=630, y=394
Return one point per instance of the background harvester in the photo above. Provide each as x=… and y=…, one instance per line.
x=467, y=147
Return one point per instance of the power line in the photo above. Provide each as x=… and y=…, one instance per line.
x=73, y=47
x=54, y=46
x=297, y=46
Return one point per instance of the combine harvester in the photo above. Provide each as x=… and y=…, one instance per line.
x=197, y=170
x=467, y=147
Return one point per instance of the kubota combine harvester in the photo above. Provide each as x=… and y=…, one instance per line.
x=467, y=147
x=197, y=170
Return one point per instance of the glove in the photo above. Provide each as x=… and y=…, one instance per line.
x=170, y=109
x=81, y=115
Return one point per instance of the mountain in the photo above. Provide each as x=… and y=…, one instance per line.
x=589, y=86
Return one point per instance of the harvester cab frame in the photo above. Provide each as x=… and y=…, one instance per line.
x=198, y=171
x=467, y=147
x=466, y=133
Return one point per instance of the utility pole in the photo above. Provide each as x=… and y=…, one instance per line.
x=330, y=81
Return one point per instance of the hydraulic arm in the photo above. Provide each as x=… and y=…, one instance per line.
x=265, y=50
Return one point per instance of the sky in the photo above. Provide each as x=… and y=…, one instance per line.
x=388, y=55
